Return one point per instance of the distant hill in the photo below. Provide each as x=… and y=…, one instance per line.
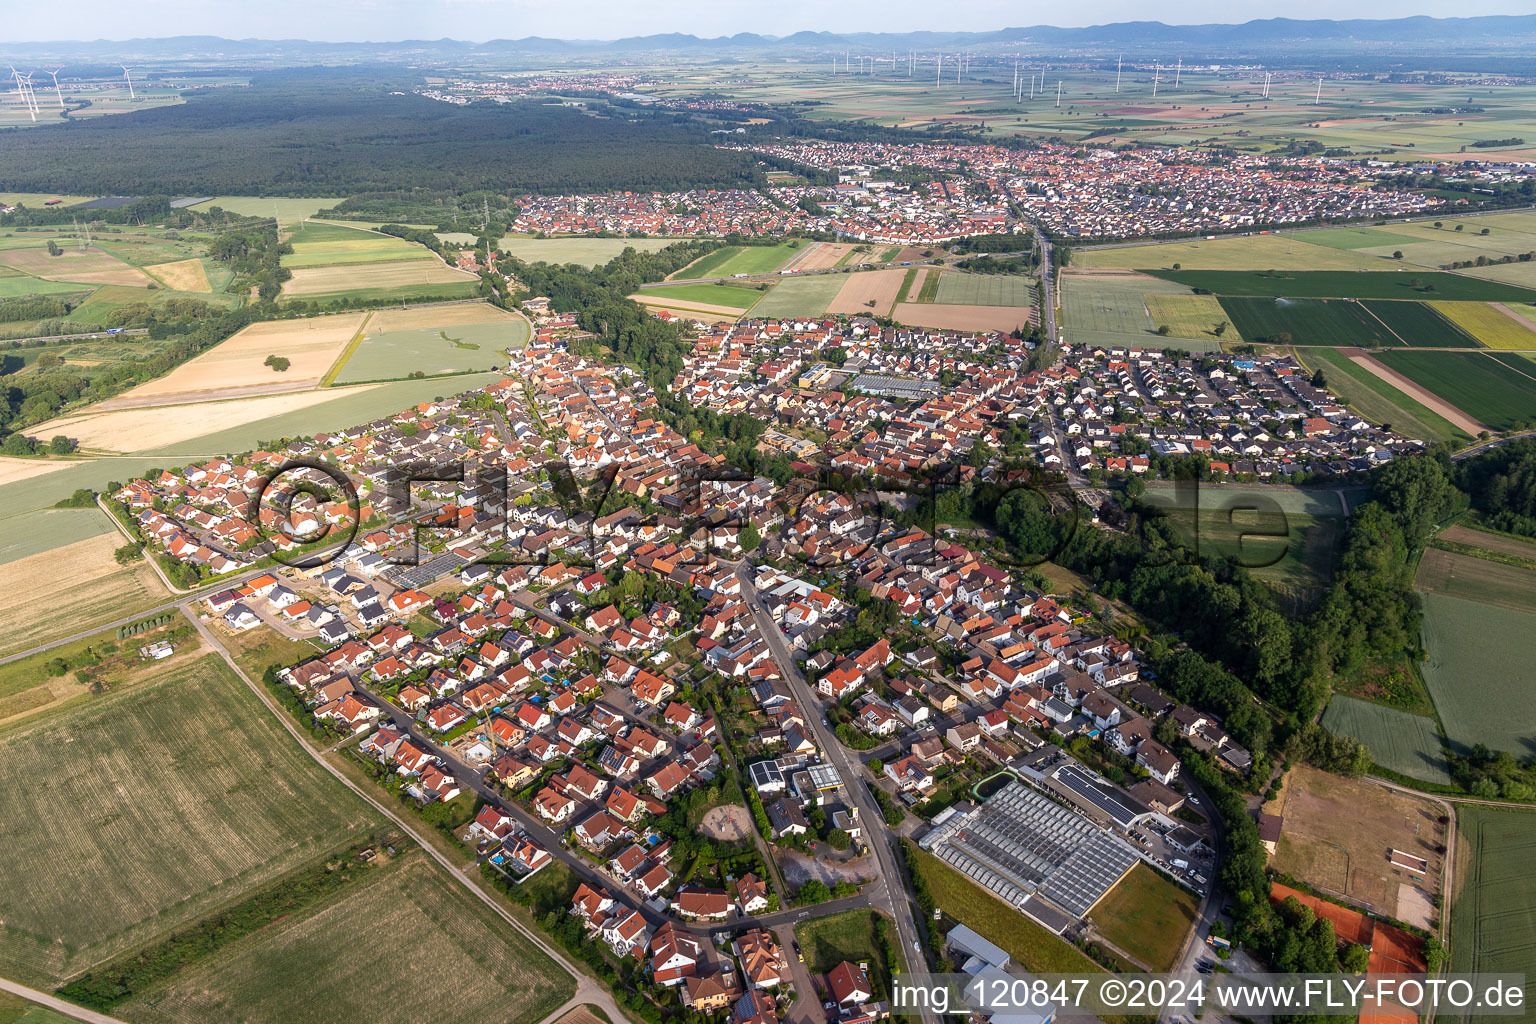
x=1500, y=34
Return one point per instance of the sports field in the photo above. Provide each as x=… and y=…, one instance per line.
x=1405, y=743
x=186, y=794
x=799, y=296
x=588, y=252
x=1147, y=916
x=1328, y=284
x=1112, y=310
x=466, y=964
x=317, y=244
x=1337, y=832
x=727, y=296
x=1278, y=252
x=1481, y=694
x=1417, y=325
x=1475, y=383
x=985, y=289
x=1377, y=400
x=1493, y=927
x=479, y=340
x=1328, y=322
x=1191, y=316
x=1494, y=324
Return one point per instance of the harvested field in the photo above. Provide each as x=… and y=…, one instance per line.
x=1481, y=694
x=1477, y=579
x=1520, y=275
x=133, y=430
x=394, y=354
x=439, y=316
x=1147, y=916
x=962, y=318
x=33, y=533
x=186, y=794
x=799, y=296
x=1399, y=741
x=708, y=310
x=581, y=1015
x=81, y=576
x=588, y=252
x=338, y=280
x=287, y=210
x=235, y=367
x=1110, y=308
x=1280, y=252
x=956, y=289
x=15, y=470
x=1338, y=832
x=1434, y=403
x=1191, y=316
x=1501, y=543
x=183, y=275
x=871, y=293
x=818, y=256
x=729, y=822
x=93, y=266
x=316, y=968
x=717, y=294
x=1492, y=323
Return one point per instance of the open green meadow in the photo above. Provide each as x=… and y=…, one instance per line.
x=1354, y=238
x=317, y=244
x=324, y=966
x=800, y=296
x=1493, y=927
x=1377, y=400
x=1147, y=916
x=1275, y=252
x=588, y=252
x=393, y=355
x=1327, y=322
x=1481, y=694
x=1477, y=384
x=1465, y=575
x=1328, y=284
x=1418, y=325
x=985, y=289
x=1401, y=742
x=16, y=1010
x=740, y=259
x=718, y=294
x=828, y=941
x=162, y=801
x=1113, y=311
x=286, y=209
x=1491, y=325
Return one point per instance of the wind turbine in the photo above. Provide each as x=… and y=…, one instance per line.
x=23, y=89
x=1267, y=77
x=938, y=76
x=1177, y=72
x=1156, y=76
x=1318, y=99
x=129, y=77
x=55, y=75
x=1119, y=62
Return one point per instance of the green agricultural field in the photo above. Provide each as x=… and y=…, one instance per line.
x=1401, y=742
x=317, y=244
x=985, y=289
x=20, y=284
x=323, y=966
x=1417, y=325
x=1477, y=384
x=35, y=532
x=286, y=210
x=1278, y=252
x=1515, y=275
x=1492, y=925
x=1147, y=916
x=1113, y=311
x=588, y=252
x=1325, y=284
x=393, y=355
x=1481, y=694
x=740, y=259
x=800, y=296
x=1191, y=316
x=187, y=794
x=1355, y=238
x=439, y=291
x=1377, y=400
x=1464, y=575
x=1491, y=325
x=828, y=941
x=1307, y=322
x=730, y=296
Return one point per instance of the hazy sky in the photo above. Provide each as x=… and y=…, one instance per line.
x=371, y=20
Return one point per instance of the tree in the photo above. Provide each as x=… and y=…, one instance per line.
x=1355, y=958
x=1397, y=254
x=54, y=250
x=61, y=445
x=1164, y=330
x=839, y=840
x=1220, y=329
x=278, y=363
x=750, y=538
x=813, y=891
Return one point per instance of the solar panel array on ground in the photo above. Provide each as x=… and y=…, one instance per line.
x=1023, y=843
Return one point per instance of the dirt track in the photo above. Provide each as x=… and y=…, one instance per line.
x=1428, y=399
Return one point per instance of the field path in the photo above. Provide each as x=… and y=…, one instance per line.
x=57, y=1005
x=587, y=990
x=1524, y=321
x=1360, y=357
